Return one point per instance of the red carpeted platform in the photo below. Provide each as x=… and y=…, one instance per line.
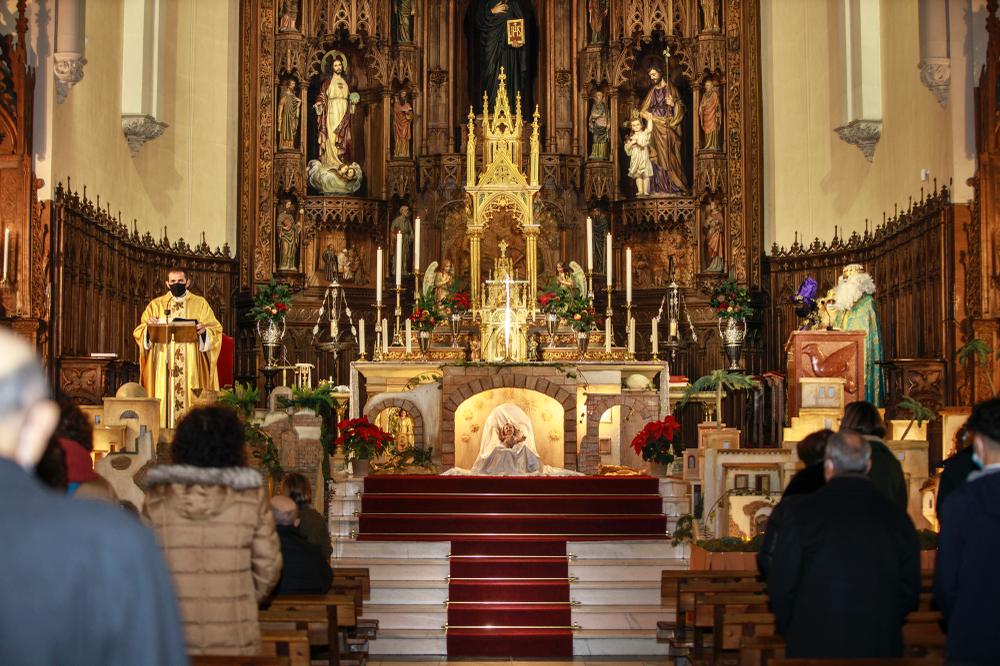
x=509, y=585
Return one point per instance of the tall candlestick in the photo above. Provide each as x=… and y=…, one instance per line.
x=361, y=339
x=416, y=245
x=590, y=245
x=628, y=275
x=6, y=253
x=409, y=337
x=609, y=259
x=631, y=337
x=399, y=258
x=385, y=334
x=607, y=335
x=656, y=335
x=378, y=276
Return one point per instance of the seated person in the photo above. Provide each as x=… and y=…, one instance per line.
x=304, y=571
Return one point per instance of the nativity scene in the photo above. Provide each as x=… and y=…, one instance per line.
x=510, y=311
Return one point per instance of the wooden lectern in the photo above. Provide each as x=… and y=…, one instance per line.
x=179, y=331
x=826, y=354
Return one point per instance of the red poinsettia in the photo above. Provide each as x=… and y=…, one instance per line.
x=362, y=439
x=460, y=301
x=656, y=441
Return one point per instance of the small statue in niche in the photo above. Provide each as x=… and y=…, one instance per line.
x=709, y=113
x=640, y=269
x=663, y=111
x=714, y=229
x=344, y=264
x=599, y=124
x=288, y=116
x=402, y=225
x=288, y=239
x=640, y=168
x=289, y=16
x=710, y=15
x=535, y=347
x=330, y=263
x=601, y=226
x=402, y=125
x=597, y=15
x=404, y=11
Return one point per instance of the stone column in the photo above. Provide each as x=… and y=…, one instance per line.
x=68, y=59
x=935, y=63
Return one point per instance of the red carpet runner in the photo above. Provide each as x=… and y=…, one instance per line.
x=509, y=586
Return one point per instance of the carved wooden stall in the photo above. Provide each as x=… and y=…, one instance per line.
x=912, y=259
x=25, y=222
x=411, y=81
x=104, y=277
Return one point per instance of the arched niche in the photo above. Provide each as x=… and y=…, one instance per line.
x=547, y=416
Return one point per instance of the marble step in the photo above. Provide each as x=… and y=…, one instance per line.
x=408, y=616
x=586, y=569
x=395, y=568
x=409, y=642
x=421, y=592
x=596, y=642
x=620, y=617
x=616, y=592
x=394, y=549
x=623, y=550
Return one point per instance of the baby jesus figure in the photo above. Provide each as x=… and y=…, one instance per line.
x=509, y=435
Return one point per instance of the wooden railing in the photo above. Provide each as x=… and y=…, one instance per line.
x=104, y=277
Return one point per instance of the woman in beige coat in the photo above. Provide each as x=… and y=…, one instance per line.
x=214, y=523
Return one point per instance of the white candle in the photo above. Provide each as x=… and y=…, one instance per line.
x=399, y=258
x=628, y=275
x=6, y=252
x=385, y=335
x=361, y=339
x=590, y=245
x=656, y=334
x=608, y=251
x=416, y=245
x=333, y=330
x=378, y=276
x=631, y=336
x=409, y=340
x=607, y=335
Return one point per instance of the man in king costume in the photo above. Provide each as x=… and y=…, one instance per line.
x=854, y=310
x=193, y=364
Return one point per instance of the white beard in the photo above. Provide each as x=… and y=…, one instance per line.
x=850, y=290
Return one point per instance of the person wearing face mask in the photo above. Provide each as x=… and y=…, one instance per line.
x=193, y=365
x=966, y=577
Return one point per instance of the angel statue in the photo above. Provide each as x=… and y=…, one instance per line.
x=579, y=278
x=430, y=280
x=507, y=447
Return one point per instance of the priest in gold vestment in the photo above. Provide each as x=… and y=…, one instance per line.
x=193, y=365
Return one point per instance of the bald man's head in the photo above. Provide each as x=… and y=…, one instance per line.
x=27, y=416
x=285, y=510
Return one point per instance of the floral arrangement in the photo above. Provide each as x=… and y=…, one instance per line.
x=548, y=301
x=271, y=303
x=730, y=300
x=456, y=302
x=656, y=442
x=362, y=439
x=806, y=307
x=426, y=312
x=576, y=310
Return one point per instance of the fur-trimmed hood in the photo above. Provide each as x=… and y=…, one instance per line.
x=237, y=478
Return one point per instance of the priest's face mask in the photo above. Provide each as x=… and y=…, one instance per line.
x=177, y=283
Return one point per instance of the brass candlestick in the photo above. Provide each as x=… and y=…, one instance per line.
x=397, y=337
x=377, y=349
x=608, y=313
x=590, y=286
x=416, y=284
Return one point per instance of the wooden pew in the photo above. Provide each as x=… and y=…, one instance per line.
x=291, y=644
x=225, y=660
x=905, y=661
x=359, y=574
x=331, y=620
x=674, y=592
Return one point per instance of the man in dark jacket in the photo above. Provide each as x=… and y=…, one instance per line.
x=846, y=566
x=956, y=470
x=966, y=579
x=83, y=583
x=305, y=571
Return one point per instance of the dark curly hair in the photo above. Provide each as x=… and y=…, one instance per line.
x=298, y=488
x=863, y=418
x=209, y=436
x=985, y=421
x=812, y=448
x=74, y=424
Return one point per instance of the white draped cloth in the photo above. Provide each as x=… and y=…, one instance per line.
x=520, y=458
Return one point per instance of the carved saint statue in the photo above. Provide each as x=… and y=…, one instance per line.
x=404, y=226
x=335, y=172
x=289, y=16
x=854, y=309
x=330, y=263
x=597, y=16
x=599, y=222
x=344, y=264
x=599, y=124
x=714, y=229
x=404, y=10
x=709, y=111
x=665, y=113
x=288, y=116
x=402, y=125
x=288, y=239
x=502, y=32
x=710, y=15
x=640, y=167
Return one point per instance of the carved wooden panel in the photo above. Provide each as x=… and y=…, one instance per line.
x=826, y=354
